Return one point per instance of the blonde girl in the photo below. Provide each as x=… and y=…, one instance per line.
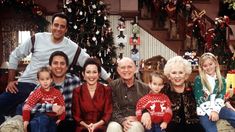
x=209, y=90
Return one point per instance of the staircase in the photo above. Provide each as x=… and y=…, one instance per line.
x=211, y=7
x=161, y=35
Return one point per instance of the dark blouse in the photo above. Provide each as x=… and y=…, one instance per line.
x=184, y=110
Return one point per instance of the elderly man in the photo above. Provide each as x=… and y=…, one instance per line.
x=126, y=91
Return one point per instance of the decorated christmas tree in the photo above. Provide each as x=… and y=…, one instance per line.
x=90, y=28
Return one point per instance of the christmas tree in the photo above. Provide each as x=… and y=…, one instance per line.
x=90, y=28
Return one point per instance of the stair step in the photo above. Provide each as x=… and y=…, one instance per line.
x=161, y=35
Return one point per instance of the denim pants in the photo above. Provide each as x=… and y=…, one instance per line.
x=42, y=123
x=9, y=101
x=155, y=128
x=225, y=113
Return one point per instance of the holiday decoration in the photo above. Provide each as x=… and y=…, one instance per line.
x=192, y=57
x=90, y=28
x=230, y=78
x=135, y=40
x=199, y=29
x=231, y=4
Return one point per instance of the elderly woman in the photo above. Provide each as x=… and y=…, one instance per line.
x=92, y=101
x=181, y=95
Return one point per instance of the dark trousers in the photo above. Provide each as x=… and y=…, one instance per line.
x=42, y=123
x=66, y=126
x=155, y=128
x=46, y=124
x=9, y=101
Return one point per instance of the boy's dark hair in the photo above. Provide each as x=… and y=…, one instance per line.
x=92, y=61
x=59, y=53
x=61, y=15
x=157, y=74
x=44, y=69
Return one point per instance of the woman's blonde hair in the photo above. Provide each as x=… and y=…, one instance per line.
x=202, y=73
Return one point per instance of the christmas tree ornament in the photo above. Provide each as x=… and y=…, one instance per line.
x=69, y=10
x=97, y=32
x=94, y=38
x=80, y=13
x=75, y=27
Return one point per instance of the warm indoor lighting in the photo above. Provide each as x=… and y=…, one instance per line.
x=5, y=65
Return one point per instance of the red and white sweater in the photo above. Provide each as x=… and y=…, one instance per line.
x=53, y=96
x=158, y=105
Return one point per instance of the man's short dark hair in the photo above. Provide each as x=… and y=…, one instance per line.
x=61, y=15
x=59, y=53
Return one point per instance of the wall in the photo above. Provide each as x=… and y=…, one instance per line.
x=149, y=46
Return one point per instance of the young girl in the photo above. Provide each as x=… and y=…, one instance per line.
x=209, y=90
x=44, y=94
x=156, y=103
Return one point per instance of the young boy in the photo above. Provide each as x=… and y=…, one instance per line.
x=156, y=103
x=44, y=94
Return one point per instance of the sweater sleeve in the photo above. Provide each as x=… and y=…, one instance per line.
x=30, y=103
x=198, y=93
x=140, y=106
x=168, y=114
x=19, y=53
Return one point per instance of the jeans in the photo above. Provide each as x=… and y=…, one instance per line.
x=42, y=123
x=225, y=113
x=155, y=128
x=9, y=101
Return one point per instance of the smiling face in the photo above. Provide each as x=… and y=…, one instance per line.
x=45, y=80
x=126, y=69
x=91, y=74
x=58, y=67
x=177, y=75
x=156, y=84
x=58, y=29
x=209, y=66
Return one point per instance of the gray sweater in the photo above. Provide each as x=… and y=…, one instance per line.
x=43, y=48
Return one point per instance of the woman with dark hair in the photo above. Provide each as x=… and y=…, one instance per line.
x=92, y=102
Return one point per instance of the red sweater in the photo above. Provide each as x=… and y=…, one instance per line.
x=158, y=105
x=53, y=96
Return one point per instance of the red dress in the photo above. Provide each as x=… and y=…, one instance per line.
x=92, y=110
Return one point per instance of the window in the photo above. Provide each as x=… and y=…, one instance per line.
x=22, y=36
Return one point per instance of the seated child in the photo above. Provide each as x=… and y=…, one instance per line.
x=44, y=94
x=156, y=103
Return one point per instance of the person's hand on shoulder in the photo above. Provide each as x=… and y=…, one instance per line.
x=12, y=87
